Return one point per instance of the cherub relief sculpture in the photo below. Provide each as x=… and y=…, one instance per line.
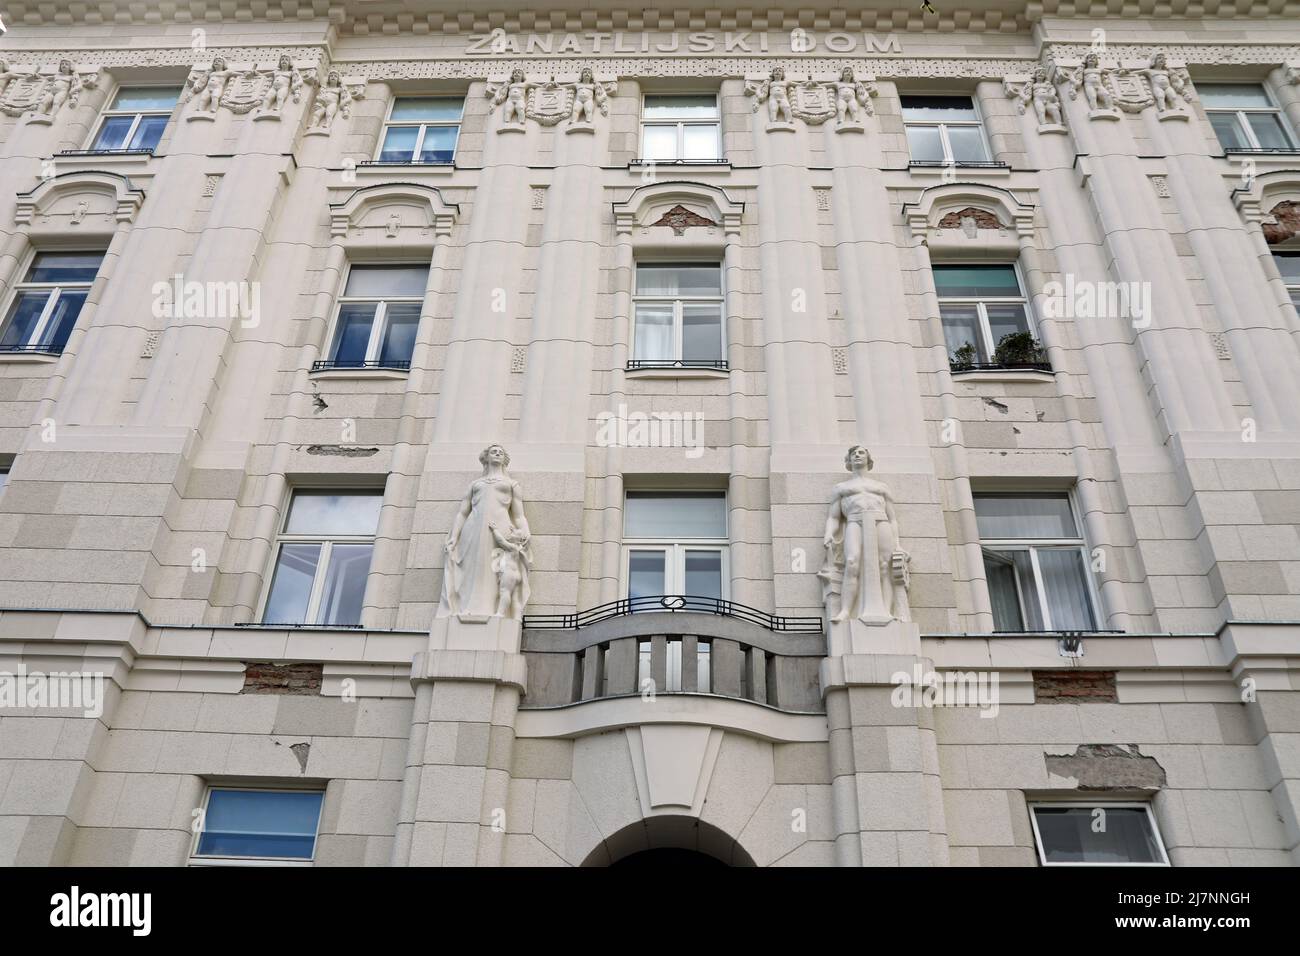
x=1169, y=89
x=332, y=99
x=63, y=87
x=487, y=550
x=285, y=81
x=1039, y=91
x=775, y=91
x=208, y=86
x=589, y=95
x=1090, y=78
x=865, y=576
x=514, y=94
x=851, y=98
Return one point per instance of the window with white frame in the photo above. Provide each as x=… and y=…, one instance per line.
x=677, y=311
x=46, y=303
x=136, y=118
x=1244, y=116
x=421, y=129
x=681, y=127
x=675, y=543
x=1102, y=833
x=980, y=306
x=378, y=316
x=1035, y=561
x=257, y=825
x=322, y=558
x=944, y=129
x=1288, y=264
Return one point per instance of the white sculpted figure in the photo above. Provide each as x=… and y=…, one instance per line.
x=1168, y=89
x=487, y=549
x=209, y=84
x=63, y=87
x=775, y=90
x=862, y=549
x=1040, y=92
x=333, y=98
x=850, y=96
x=286, y=81
x=6, y=75
x=515, y=97
x=588, y=96
x=1092, y=80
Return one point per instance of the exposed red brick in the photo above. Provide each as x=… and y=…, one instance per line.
x=266, y=678
x=1075, y=687
x=679, y=218
x=983, y=219
x=1287, y=215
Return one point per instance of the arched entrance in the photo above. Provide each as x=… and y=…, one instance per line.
x=669, y=841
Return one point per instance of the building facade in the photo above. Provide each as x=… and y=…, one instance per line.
x=306, y=303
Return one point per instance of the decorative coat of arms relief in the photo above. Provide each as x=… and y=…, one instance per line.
x=551, y=102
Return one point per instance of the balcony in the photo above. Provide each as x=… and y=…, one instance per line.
x=638, y=365
x=331, y=365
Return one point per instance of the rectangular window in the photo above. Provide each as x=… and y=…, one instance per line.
x=256, y=825
x=1097, y=834
x=47, y=302
x=675, y=543
x=1035, y=561
x=1244, y=117
x=4, y=478
x=136, y=118
x=980, y=306
x=678, y=320
x=944, y=129
x=681, y=127
x=378, y=316
x=421, y=129
x=323, y=559
x=1288, y=263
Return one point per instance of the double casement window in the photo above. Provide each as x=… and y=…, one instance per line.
x=677, y=312
x=249, y=826
x=1288, y=263
x=675, y=543
x=1244, y=117
x=323, y=558
x=1097, y=834
x=1035, y=561
x=47, y=302
x=980, y=306
x=378, y=315
x=944, y=129
x=136, y=119
x=681, y=128
x=421, y=129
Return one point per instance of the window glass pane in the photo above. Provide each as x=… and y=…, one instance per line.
x=64, y=267
x=681, y=107
x=1024, y=516
x=439, y=144
x=938, y=109
x=1005, y=319
x=149, y=132
x=673, y=670
x=399, y=336
x=142, y=98
x=682, y=281
x=334, y=512
x=1228, y=129
x=381, y=281
x=704, y=574
x=654, y=332
x=352, y=333
x=1289, y=265
x=254, y=823
x=1070, y=835
x=1269, y=130
x=644, y=654
x=113, y=132
x=961, y=326
x=659, y=142
x=1064, y=580
x=63, y=319
x=702, y=333
x=1004, y=594
x=970, y=282
x=924, y=144
x=686, y=514
x=345, y=585
x=399, y=144
x=700, y=142
x=426, y=109
x=646, y=573
x=23, y=316
x=704, y=667
x=1232, y=95
x=967, y=144
x=295, y=570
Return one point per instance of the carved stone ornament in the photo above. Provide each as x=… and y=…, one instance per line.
x=41, y=92
x=488, y=553
x=1037, y=91
x=865, y=576
x=679, y=219
x=814, y=101
x=334, y=98
x=1164, y=87
x=551, y=102
x=262, y=92
x=1097, y=85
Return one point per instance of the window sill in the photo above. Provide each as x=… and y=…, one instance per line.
x=1262, y=151
x=699, y=165
x=930, y=168
x=91, y=158
x=678, y=371
x=360, y=374
x=1004, y=375
x=30, y=357
x=377, y=169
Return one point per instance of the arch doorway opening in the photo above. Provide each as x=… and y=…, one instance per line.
x=669, y=842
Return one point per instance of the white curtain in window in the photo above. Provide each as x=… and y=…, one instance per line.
x=1066, y=585
x=1000, y=517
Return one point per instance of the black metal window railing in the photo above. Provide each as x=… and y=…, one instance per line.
x=392, y=365
x=717, y=364
x=1277, y=150
x=105, y=152
x=999, y=366
x=433, y=161
x=671, y=603
x=722, y=161
x=960, y=164
x=37, y=349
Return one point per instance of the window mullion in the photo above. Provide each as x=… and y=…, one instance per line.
x=376, y=331
x=986, y=332
x=1041, y=589
x=677, y=330
x=318, y=585
x=419, y=143
x=46, y=313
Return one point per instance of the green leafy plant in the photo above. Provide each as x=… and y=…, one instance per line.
x=1018, y=349
x=963, y=358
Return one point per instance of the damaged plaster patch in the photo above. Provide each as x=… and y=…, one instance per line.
x=302, y=752
x=1107, y=767
x=994, y=403
x=319, y=402
x=342, y=451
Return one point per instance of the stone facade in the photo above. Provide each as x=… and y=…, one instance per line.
x=152, y=459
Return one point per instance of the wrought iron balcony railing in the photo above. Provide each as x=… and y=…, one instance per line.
x=105, y=152
x=716, y=364
x=999, y=366
x=659, y=603
x=961, y=164
x=435, y=161
x=34, y=349
x=388, y=364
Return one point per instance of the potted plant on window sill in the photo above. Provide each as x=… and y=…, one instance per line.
x=1019, y=350
x=963, y=359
